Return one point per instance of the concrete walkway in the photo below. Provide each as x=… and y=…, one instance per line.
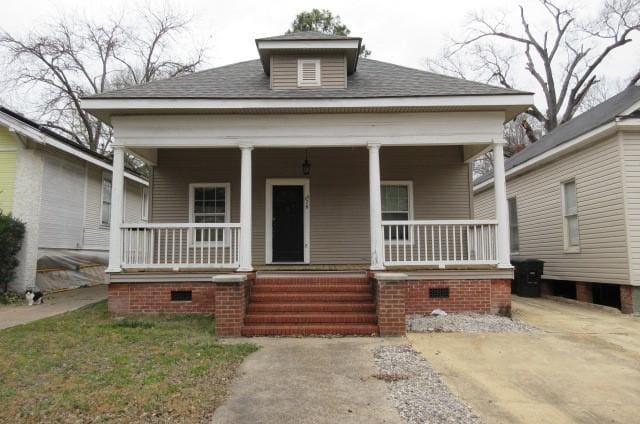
x=54, y=304
x=310, y=380
x=584, y=366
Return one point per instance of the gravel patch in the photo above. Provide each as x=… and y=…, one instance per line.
x=417, y=390
x=468, y=323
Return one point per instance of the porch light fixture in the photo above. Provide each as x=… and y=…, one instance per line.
x=306, y=165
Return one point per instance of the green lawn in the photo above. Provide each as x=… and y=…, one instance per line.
x=85, y=367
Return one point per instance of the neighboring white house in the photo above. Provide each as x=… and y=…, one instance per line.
x=574, y=202
x=62, y=192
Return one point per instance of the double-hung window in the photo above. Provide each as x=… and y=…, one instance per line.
x=397, y=205
x=514, y=237
x=570, y=216
x=105, y=206
x=209, y=203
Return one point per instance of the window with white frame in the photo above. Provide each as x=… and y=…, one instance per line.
x=145, y=203
x=397, y=205
x=209, y=203
x=570, y=216
x=105, y=206
x=308, y=72
x=514, y=236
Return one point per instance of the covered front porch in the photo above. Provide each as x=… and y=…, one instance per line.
x=373, y=207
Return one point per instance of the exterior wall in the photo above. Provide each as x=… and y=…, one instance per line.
x=96, y=235
x=26, y=206
x=62, y=212
x=480, y=296
x=138, y=298
x=630, y=154
x=398, y=297
x=284, y=71
x=8, y=153
x=339, y=188
x=603, y=242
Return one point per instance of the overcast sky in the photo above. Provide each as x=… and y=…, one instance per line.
x=402, y=31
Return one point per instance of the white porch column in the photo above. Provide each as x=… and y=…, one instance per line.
x=502, y=213
x=117, y=202
x=375, y=208
x=245, y=209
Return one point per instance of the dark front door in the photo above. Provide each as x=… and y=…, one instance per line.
x=288, y=223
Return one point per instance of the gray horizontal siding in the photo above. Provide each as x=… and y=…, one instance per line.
x=603, y=251
x=339, y=188
x=284, y=71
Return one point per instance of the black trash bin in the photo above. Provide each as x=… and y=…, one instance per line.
x=527, y=276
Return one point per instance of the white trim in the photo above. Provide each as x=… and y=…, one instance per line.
x=311, y=83
x=42, y=138
x=227, y=211
x=409, y=185
x=304, y=182
x=109, y=177
x=517, y=226
x=144, y=213
x=631, y=109
x=306, y=44
x=565, y=227
x=549, y=155
x=505, y=100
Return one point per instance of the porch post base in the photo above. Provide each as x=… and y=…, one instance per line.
x=245, y=269
x=391, y=303
x=232, y=294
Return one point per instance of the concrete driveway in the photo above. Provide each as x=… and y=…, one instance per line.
x=584, y=366
x=310, y=380
x=54, y=304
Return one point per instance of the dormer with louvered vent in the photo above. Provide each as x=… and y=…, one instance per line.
x=309, y=73
x=308, y=60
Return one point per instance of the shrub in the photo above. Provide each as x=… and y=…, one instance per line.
x=11, y=235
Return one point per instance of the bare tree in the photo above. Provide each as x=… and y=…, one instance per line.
x=518, y=133
x=563, y=56
x=70, y=59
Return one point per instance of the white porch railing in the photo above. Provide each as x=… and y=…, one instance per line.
x=469, y=242
x=180, y=245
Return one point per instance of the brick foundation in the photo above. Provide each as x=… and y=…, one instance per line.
x=583, y=292
x=630, y=299
x=227, y=300
x=501, y=297
x=141, y=298
x=391, y=302
x=231, y=307
x=397, y=298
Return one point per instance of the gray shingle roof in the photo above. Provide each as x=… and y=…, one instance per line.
x=595, y=117
x=247, y=80
x=307, y=35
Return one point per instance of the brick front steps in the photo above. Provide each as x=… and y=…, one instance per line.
x=302, y=305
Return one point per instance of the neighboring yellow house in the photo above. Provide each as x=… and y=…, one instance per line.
x=61, y=191
x=8, y=149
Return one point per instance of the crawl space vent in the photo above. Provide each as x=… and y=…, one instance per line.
x=439, y=292
x=180, y=295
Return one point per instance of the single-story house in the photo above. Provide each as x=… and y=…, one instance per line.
x=309, y=191
x=62, y=192
x=574, y=202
